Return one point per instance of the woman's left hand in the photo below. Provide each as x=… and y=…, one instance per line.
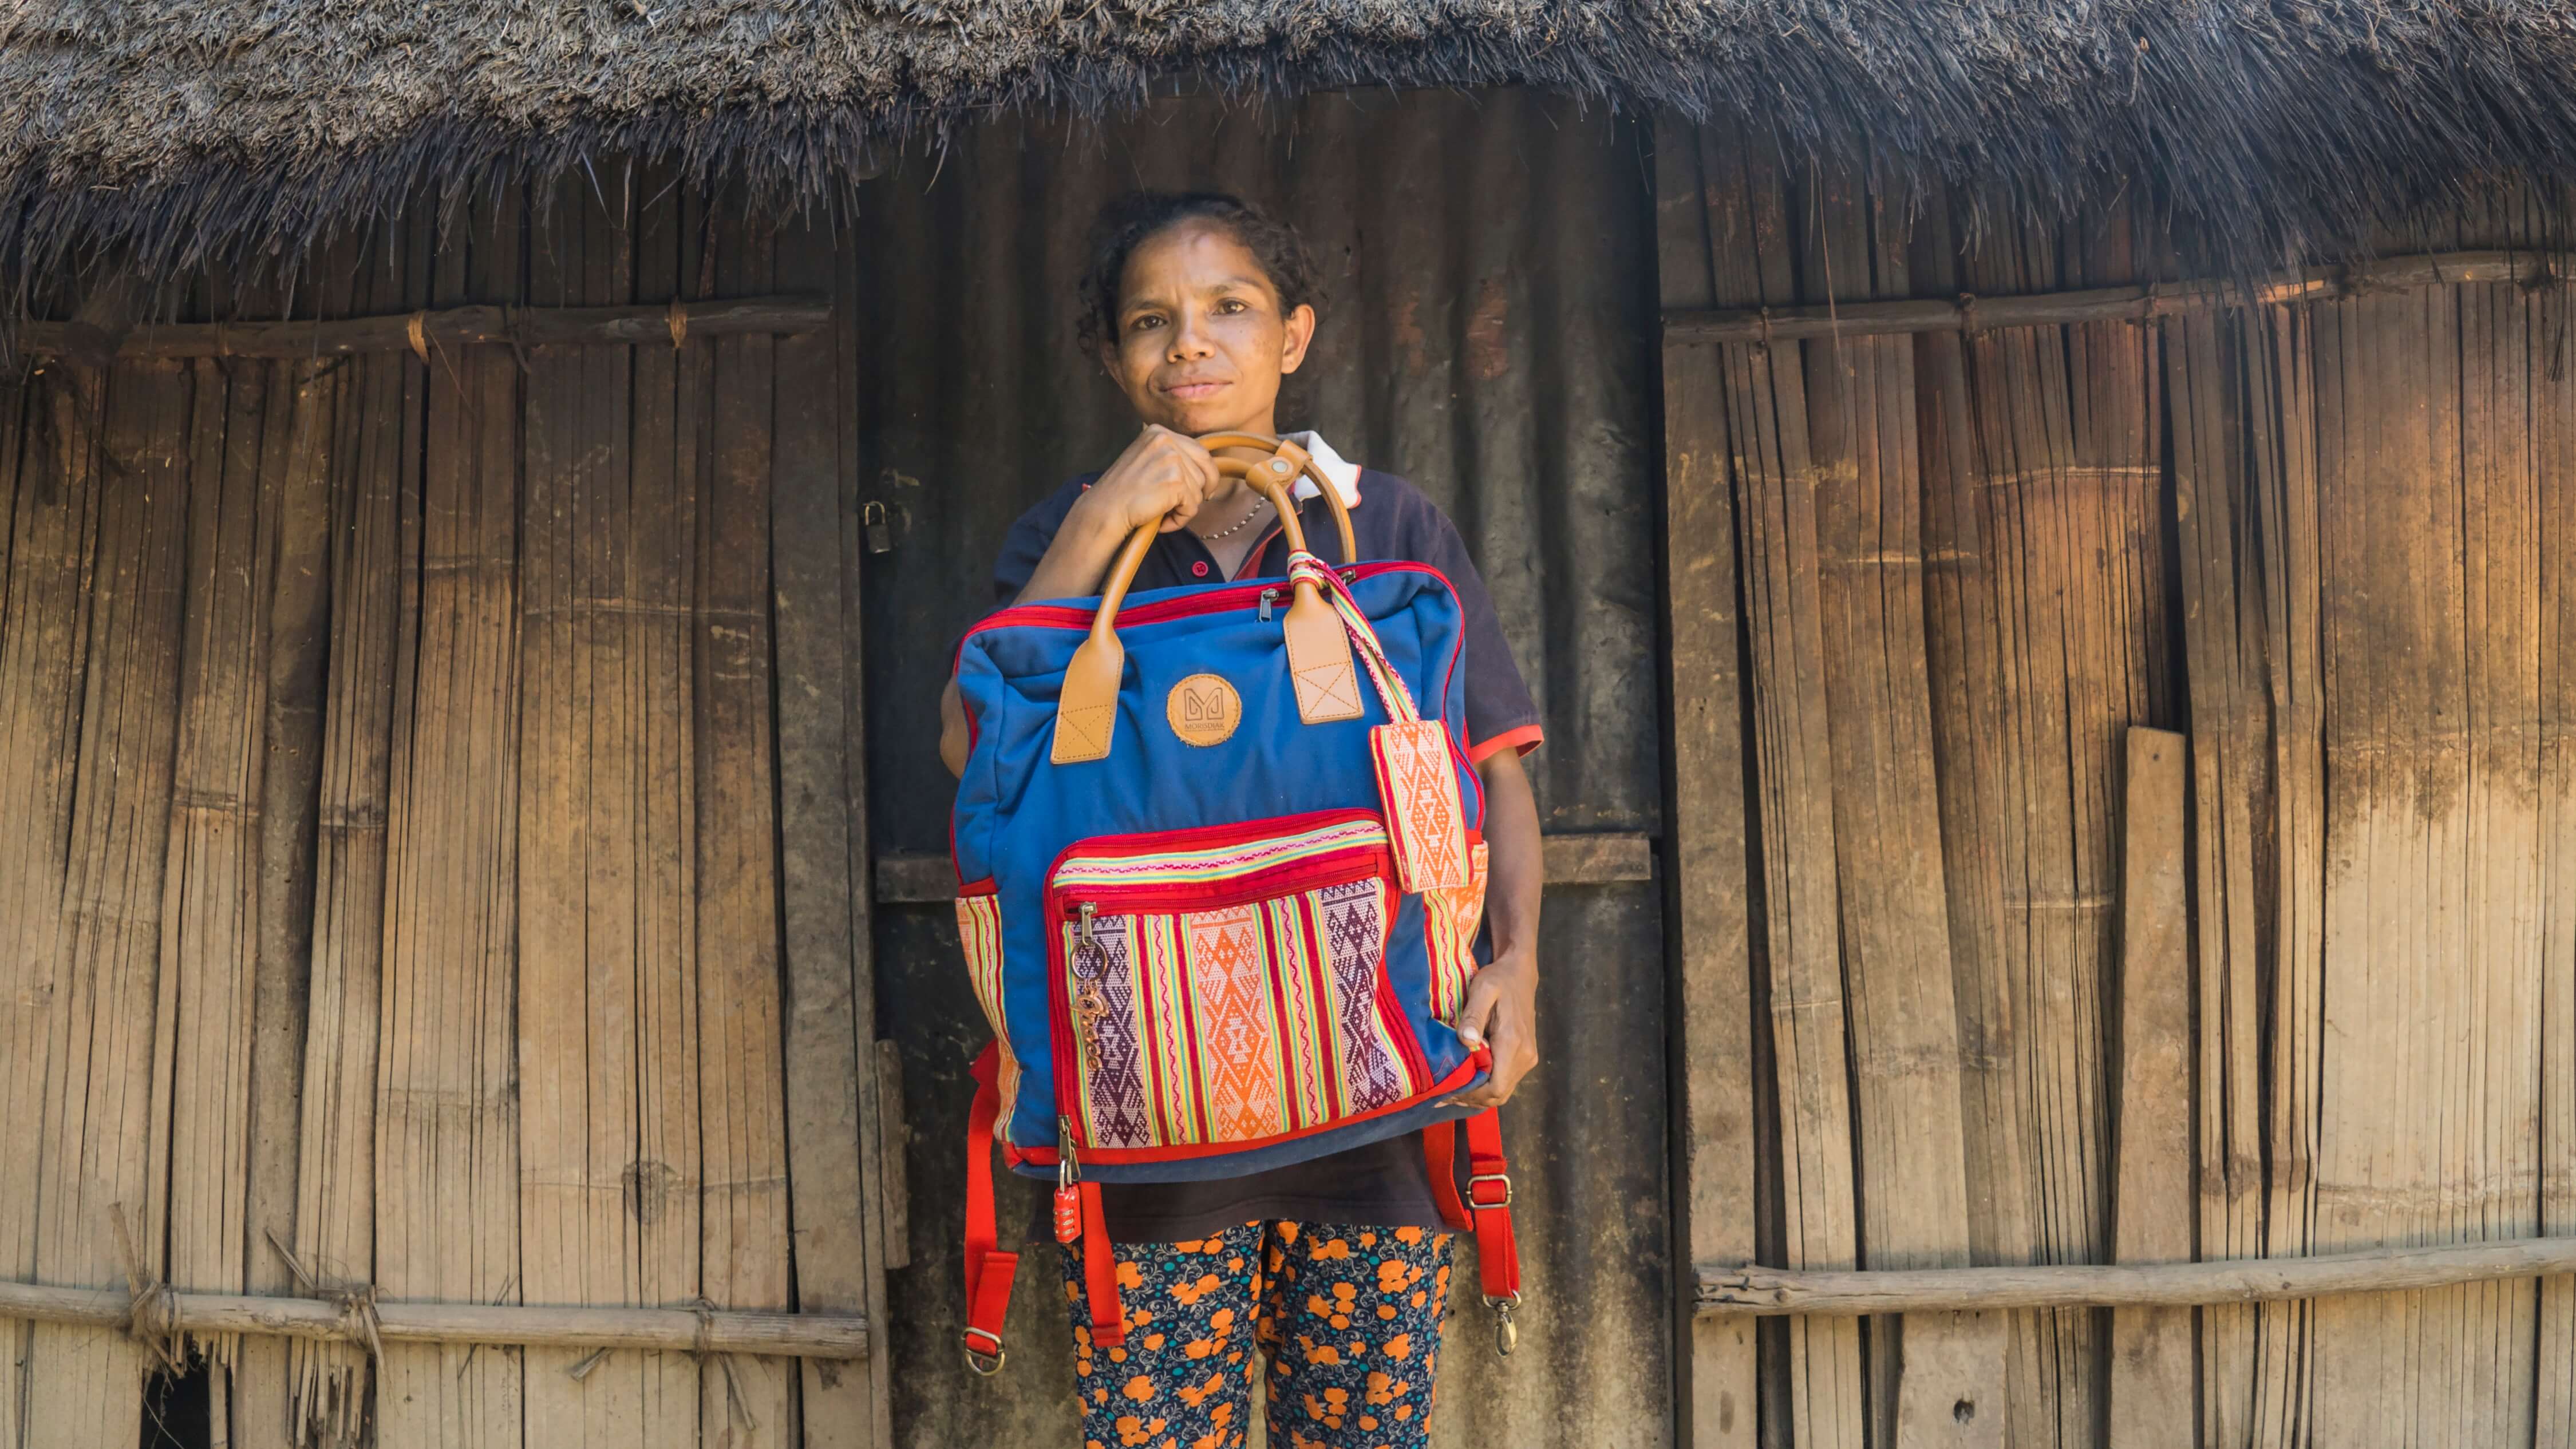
x=1501, y=1011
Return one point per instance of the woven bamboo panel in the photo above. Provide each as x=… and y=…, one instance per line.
x=2323, y=537
x=394, y=883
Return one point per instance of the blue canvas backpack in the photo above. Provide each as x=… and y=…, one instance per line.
x=1221, y=875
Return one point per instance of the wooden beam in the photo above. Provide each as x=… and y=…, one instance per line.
x=1776, y=1292
x=789, y=1335
x=454, y=327
x=919, y=878
x=1602, y=858
x=1969, y=313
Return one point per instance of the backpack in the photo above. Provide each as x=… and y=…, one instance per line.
x=1222, y=873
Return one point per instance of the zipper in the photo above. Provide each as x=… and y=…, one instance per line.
x=1277, y=881
x=1214, y=599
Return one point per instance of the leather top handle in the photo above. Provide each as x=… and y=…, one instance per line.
x=1319, y=651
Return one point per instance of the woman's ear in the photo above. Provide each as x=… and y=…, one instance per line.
x=1300, y=330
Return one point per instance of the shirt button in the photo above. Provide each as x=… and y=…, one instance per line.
x=1199, y=568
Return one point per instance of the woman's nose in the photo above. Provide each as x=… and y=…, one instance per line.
x=1188, y=341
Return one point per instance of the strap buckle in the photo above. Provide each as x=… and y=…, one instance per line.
x=985, y=1362
x=1478, y=1180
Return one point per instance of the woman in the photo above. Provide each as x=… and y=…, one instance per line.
x=1198, y=306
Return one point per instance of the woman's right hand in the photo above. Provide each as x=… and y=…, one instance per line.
x=1163, y=477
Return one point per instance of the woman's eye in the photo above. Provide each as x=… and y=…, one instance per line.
x=1230, y=304
x=1145, y=323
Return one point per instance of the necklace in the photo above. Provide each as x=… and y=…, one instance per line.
x=1236, y=526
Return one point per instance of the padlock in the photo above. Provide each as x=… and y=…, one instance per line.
x=1068, y=1197
x=879, y=532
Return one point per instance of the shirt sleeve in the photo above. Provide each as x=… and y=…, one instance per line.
x=1027, y=541
x=1500, y=712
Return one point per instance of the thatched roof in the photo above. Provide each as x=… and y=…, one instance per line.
x=190, y=129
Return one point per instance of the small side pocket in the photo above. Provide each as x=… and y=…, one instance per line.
x=1451, y=915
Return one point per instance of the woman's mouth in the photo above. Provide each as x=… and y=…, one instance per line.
x=1195, y=389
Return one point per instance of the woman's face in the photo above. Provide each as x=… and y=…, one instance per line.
x=1201, y=343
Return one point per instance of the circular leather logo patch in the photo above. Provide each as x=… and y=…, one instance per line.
x=1203, y=709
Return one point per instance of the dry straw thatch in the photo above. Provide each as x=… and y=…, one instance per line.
x=184, y=131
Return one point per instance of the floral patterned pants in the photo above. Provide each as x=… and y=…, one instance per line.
x=1349, y=1318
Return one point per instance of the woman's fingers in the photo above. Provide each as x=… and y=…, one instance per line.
x=1476, y=1012
x=1488, y=1018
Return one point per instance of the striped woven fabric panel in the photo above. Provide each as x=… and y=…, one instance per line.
x=979, y=930
x=1238, y=1023
x=1188, y=867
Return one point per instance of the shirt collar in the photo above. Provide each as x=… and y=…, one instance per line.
x=1345, y=474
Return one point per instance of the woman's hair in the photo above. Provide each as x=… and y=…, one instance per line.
x=1128, y=222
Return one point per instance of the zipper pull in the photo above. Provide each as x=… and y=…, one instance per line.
x=1068, y=1198
x=1085, y=910
x=1268, y=597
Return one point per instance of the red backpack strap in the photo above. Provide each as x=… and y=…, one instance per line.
x=1486, y=1210
x=1440, y=1151
x=1100, y=1273
x=988, y=1269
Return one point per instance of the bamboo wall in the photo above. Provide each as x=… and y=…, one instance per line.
x=2328, y=543
x=410, y=883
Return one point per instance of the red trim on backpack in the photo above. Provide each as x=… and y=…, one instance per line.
x=1136, y=1156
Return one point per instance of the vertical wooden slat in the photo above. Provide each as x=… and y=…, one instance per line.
x=1767, y=431
x=45, y=603
x=2066, y=472
x=2554, y=431
x=234, y=912
x=2150, y=1389
x=375, y=450
x=100, y=1134
x=2276, y=1153
x=306, y=403
x=741, y=1083
x=1711, y=996
x=1891, y=890
x=2432, y=638
x=447, y=1151
x=2228, y=598
x=209, y=905
x=607, y=1024
x=1964, y=649
x=847, y=1222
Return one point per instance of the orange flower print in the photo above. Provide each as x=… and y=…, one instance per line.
x=1349, y=1317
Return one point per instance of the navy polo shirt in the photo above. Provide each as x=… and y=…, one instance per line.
x=1392, y=520
x=1383, y=1184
